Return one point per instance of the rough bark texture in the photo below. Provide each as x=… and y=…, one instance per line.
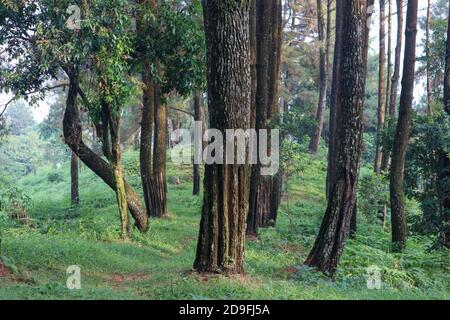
x=334, y=102
x=315, y=139
x=401, y=141
x=73, y=138
x=335, y=226
x=222, y=228
x=148, y=115
x=381, y=88
x=159, y=159
x=75, y=195
x=198, y=116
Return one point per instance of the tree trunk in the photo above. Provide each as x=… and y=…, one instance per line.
x=198, y=116
x=75, y=195
x=159, y=159
x=315, y=139
x=259, y=203
x=335, y=227
x=222, y=228
x=381, y=88
x=444, y=175
x=385, y=158
x=73, y=137
x=401, y=141
x=116, y=156
x=398, y=57
x=334, y=101
x=427, y=54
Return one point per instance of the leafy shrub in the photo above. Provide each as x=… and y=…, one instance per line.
x=55, y=177
x=373, y=194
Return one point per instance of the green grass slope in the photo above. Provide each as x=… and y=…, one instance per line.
x=158, y=265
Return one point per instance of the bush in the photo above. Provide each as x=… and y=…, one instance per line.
x=373, y=195
x=55, y=177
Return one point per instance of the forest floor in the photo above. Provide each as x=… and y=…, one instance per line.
x=158, y=265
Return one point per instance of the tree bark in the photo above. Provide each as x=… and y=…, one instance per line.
x=335, y=227
x=427, y=54
x=73, y=137
x=315, y=139
x=74, y=192
x=198, y=116
x=398, y=57
x=222, y=228
x=399, y=232
x=381, y=88
x=444, y=174
x=334, y=102
x=159, y=159
x=259, y=203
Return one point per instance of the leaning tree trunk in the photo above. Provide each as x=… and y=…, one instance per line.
x=381, y=89
x=198, y=116
x=315, y=139
x=159, y=159
x=335, y=227
x=401, y=141
x=74, y=192
x=334, y=102
x=225, y=206
x=73, y=137
x=444, y=175
x=259, y=201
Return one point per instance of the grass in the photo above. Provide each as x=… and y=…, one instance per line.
x=158, y=265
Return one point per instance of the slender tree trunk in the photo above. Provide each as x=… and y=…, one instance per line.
x=334, y=102
x=259, y=201
x=225, y=207
x=385, y=154
x=335, y=227
x=274, y=99
x=159, y=159
x=398, y=57
x=427, y=53
x=401, y=141
x=75, y=195
x=198, y=116
x=315, y=139
x=381, y=88
x=73, y=137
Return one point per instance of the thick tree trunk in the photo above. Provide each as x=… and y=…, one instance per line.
x=159, y=159
x=335, y=227
x=315, y=139
x=427, y=54
x=148, y=118
x=222, y=228
x=334, y=101
x=381, y=88
x=198, y=116
x=74, y=192
x=73, y=137
x=401, y=141
x=116, y=156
